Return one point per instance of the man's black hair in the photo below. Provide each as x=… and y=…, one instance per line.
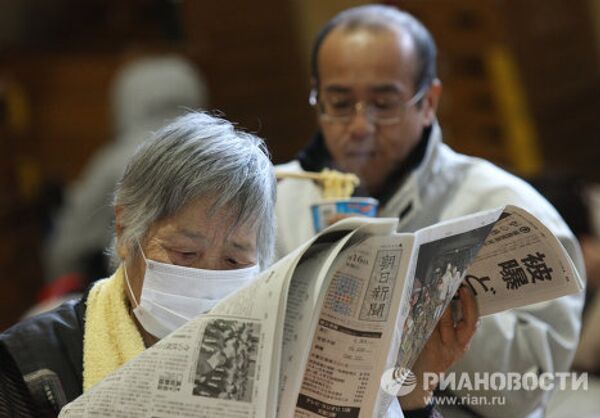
x=381, y=17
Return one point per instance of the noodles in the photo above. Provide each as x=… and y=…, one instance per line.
x=335, y=184
x=338, y=185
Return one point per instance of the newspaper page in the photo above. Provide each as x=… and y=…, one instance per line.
x=217, y=365
x=495, y=253
x=304, y=298
x=520, y=263
x=358, y=311
x=301, y=301
x=444, y=253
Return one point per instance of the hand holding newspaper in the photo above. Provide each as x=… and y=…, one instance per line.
x=312, y=335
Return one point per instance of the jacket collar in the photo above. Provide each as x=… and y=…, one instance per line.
x=406, y=198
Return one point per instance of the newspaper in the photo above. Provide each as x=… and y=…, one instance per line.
x=313, y=334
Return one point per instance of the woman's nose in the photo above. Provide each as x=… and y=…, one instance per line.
x=208, y=263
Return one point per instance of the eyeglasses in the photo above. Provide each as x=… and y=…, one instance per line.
x=386, y=111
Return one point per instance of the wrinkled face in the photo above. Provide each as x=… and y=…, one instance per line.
x=372, y=67
x=197, y=238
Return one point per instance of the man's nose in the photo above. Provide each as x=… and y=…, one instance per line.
x=361, y=123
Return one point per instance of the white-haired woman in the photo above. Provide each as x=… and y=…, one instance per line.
x=194, y=222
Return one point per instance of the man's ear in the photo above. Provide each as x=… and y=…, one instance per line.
x=313, y=83
x=431, y=101
x=313, y=99
x=314, y=92
x=119, y=226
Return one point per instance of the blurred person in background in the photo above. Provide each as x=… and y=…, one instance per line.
x=375, y=92
x=146, y=92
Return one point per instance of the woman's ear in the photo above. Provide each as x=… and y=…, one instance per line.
x=122, y=251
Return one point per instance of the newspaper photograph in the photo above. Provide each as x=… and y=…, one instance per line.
x=440, y=268
x=226, y=365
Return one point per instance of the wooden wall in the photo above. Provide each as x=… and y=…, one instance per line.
x=252, y=59
x=553, y=50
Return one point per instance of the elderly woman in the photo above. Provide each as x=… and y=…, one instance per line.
x=194, y=221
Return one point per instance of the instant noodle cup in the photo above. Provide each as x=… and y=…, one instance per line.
x=324, y=213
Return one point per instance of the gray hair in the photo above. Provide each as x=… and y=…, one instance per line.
x=198, y=155
x=377, y=16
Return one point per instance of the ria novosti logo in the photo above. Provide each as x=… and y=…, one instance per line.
x=401, y=381
x=398, y=381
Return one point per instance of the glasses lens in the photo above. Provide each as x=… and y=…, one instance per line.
x=384, y=109
x=387, y=108
x=338, y=108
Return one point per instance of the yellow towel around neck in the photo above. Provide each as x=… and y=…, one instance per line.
x=111, y=337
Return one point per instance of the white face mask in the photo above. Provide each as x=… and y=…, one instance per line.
x=172, y=295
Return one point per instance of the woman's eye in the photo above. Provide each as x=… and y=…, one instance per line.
x=187, y=254
x=233, y=262
x=178, y=256
x=239, y=263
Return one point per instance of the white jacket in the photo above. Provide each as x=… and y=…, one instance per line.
x=446, y=184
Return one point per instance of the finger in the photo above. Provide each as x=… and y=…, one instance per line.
x=446, y=327
x=468, y=325
x=435, y=337
x=337, y=217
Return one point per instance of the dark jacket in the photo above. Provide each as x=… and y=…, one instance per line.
x=47, y=352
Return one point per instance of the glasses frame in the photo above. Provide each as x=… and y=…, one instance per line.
x=313, y=100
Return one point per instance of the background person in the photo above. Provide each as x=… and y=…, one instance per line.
x=146, y=92
x=376, y=92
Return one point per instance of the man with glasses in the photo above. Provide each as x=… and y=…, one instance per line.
x=376, y=92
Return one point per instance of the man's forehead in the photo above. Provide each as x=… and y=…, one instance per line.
x=384, y=60
x=381, y=28
x=396, y=36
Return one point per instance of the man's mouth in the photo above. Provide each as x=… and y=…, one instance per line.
x=362, y=155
